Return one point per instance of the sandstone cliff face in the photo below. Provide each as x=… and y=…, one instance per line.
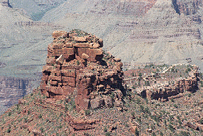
x=76, y=65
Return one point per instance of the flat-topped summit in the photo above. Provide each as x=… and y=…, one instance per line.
x=77, y=66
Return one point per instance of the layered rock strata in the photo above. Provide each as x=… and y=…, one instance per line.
x=187, y=7
x=76, y=65
x=12, y=89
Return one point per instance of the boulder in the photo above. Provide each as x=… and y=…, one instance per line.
x=133, y=129
x=36, y=132
x=118, y=94
x=108, y=101
x=117, y=59
x=96, y=45
x=47, y=68
x=149, y=130
x=100, y=42
x=118, y=103
x=85, y=56
x=96, y=103
x=79, y=39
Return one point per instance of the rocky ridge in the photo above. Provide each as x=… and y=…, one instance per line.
x=76, y=65
x=168, y=83
x=165, y=92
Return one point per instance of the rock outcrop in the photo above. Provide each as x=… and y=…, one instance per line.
x=165, y=91
x=76, y=65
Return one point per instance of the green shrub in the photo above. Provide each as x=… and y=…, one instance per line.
x=105, y=129
x=171, y=128
x=42, y=130
x=9, y=114
x=136, y=132
x=87, y=112
x=141, y=108
x=86, y=134
x=138, y=101
x=8, y=130
x=147, y=83
x=201, y=121
x=66, y=107
x=40, y=116
x=25, y=119
x=108, y=134
x=140, y=75
x=176, y=106
x=17, y=106
x=201, y=82
x=61, y=114
x=183, y=133
x=60, y=126
x=153, y=134
x=133, y=114
x=78, y=62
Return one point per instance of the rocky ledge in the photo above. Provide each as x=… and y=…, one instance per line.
x=76, y=66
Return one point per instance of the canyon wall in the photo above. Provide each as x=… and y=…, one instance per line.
x=12, y=89
x=187, y=7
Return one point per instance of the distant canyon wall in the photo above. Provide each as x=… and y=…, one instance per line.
x=12, y=89
x=187, y=7
x=123, y=7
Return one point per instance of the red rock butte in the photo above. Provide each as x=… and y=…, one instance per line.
x=76, y=66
